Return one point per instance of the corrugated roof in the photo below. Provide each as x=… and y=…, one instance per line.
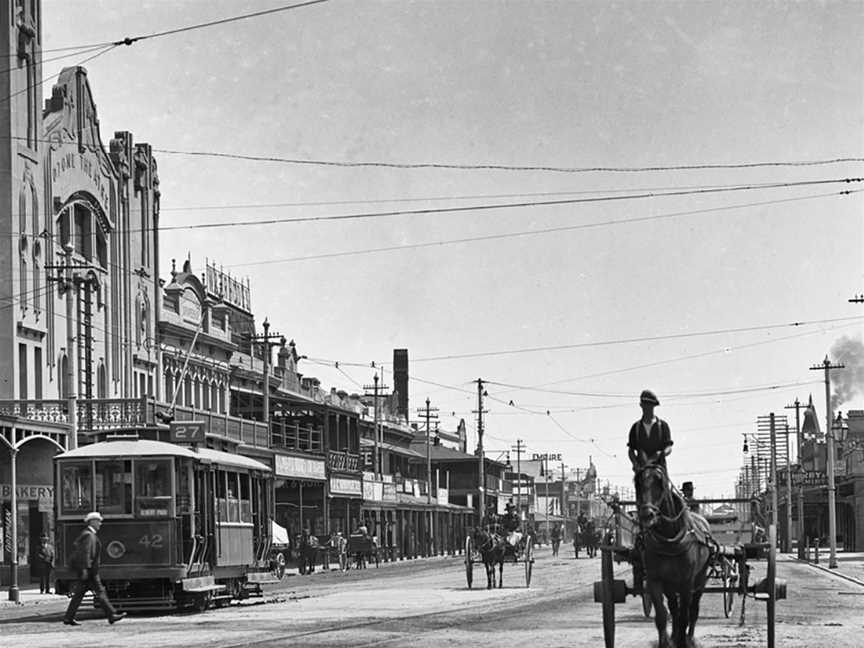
x=407, y=452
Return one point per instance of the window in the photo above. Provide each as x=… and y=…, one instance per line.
x=113, y=487
x=77, y=485
x=82, y=222
x=101, y=249
x=221, y=501
x=153, y=495
x=37, y=373
x=245, y=500
x=63, y=226
x=22, y=371
x=233, y=497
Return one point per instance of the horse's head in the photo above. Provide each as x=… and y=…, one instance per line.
x=652, y=488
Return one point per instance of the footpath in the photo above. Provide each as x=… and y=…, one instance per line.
x=850, y=566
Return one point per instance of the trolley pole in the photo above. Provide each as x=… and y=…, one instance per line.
x=826, y=366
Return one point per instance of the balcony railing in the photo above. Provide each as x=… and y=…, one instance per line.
x=98, y=414
x=343, y=461
x=293, y=436
x=253, y=433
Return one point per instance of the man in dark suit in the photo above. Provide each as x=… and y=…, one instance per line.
x=649, y=434
x=85, y=558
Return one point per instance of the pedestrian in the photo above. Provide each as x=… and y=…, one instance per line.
x=84, y=560
x=44, y=564
x=649, y=435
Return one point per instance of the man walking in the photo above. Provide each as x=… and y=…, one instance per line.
x=85, y=558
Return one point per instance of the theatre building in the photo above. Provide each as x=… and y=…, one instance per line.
x=78, y=258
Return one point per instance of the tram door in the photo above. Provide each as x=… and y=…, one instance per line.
x=204, y=505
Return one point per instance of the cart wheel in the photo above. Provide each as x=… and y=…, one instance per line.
x=646, y=603
x=280, y=565
x=529, y=564
x=469, y=561
x=608, y=597
x=730, y=584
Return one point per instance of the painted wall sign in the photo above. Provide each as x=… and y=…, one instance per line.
x=299, y=467
x=345, y=486
x=546, y=456
x=27, y=492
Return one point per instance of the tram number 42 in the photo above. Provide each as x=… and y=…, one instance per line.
x=151, y=541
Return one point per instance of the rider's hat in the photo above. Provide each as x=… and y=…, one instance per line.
x=647, y=396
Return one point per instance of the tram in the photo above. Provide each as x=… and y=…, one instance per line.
x=183, y=526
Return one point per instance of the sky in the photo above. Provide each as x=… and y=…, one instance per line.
x=565, y=310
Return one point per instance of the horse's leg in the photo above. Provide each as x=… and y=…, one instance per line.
x=655, y=591
x=500, y=573
x=683, y=630
x=490, y=575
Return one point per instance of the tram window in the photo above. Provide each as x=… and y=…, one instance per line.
x=233, y=498
x=221, y=502
x=114, y=487
x=77, y=484
x=245, y=500
x=153, y=478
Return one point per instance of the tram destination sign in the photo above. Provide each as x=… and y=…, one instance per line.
x=187, y=431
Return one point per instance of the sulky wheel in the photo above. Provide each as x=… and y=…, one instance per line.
x=730, y=584
x=469, y=561
x=608, y=597
x=529, y=563
x=646, y=603
x=279, y=562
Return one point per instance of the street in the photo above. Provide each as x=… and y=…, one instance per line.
x=427, y=603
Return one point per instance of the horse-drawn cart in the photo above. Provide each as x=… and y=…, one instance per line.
x=489, y=547
x=361, y=549
x=727, y=572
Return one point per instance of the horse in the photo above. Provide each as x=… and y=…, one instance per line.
x=308, y=552
x=677, y=549
x=492, y=548
x=590, y=539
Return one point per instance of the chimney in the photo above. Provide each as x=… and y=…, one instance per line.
x=400, y=381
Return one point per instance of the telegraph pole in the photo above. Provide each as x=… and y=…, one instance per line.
x=264, y=340
x=519, y=448
x=563, y=499
x=376, y=459
x=826, y=366
x=429, y=413
x=800, y=499
x=480, y=411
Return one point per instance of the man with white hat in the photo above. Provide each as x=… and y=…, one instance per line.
x=84, y=559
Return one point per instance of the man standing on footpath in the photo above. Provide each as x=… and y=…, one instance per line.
x=85, y=558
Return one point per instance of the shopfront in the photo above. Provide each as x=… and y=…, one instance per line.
x=300, y=485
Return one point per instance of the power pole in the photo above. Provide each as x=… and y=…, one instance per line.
x=480, y=411
x=826, y=366
x=376, y=459
x=264, y=340
x=429, y=413
x=70, y=281
x=519, y=448
x=563, y=501
x=800, y=503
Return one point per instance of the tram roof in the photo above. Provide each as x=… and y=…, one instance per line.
x=148, y=448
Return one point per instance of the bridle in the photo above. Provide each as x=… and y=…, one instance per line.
x=667, y=502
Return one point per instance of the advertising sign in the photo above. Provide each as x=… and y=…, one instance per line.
x=809, y=478
x=299, y=467
x=345, y=486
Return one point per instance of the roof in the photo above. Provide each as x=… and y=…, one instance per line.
x=126, y=449
x=407, y=452
x=443, y=453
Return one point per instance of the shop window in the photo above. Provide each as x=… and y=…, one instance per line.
x=113, y=486
x=153, y=488
x=77, y=484
x=245, y=500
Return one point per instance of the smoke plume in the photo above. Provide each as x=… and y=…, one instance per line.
x=849, y=382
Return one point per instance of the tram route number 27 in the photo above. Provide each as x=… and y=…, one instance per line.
x=151, y=541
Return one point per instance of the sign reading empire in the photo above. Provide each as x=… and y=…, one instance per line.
x=69, y=167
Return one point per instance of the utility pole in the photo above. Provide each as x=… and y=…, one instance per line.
x=71, y=281
x=519, y=448
x=264, y=340
x=563, y=500
x=800, y=499
x=480, y=411
x=376, y=459
x=429, y=413
x=826, y=366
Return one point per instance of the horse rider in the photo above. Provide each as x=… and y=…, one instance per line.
x=649, y=436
